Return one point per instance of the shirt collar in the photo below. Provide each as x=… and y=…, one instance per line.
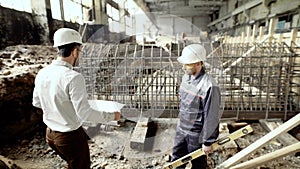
x=62, y=63
x=202, y=72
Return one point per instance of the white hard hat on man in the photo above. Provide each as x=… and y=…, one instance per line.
x=192, y=54
x=65, y=36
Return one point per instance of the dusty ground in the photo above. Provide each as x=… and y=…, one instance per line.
x=108, y=151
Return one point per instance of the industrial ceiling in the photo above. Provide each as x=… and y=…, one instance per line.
x=181, y=8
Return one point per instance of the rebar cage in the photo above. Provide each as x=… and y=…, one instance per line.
x=257, y=80
x=262, y=79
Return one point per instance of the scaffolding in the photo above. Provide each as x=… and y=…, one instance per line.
x=258, y=80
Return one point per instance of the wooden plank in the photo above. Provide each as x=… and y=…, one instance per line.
x=268, y=157
x=271, y=28
x=248, y=33
x=243, y=37
x=293, y=122
x=261, y=32
x=285, y=138
x=254, y=33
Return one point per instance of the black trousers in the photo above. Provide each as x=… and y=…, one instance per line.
x=185, y=144
x=70, y=146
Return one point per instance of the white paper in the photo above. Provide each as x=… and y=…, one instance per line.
x=106, y=106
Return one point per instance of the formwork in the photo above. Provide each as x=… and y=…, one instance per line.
x=257, y=80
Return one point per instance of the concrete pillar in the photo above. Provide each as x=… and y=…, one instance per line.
x=40, y=20
x=100, y=12
x=62, y=13
x=133, y=25
x=122, y=14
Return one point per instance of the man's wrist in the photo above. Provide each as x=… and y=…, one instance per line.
x=207, y=143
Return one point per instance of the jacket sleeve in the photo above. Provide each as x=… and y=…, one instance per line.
x=83, y=109
x=211, y=116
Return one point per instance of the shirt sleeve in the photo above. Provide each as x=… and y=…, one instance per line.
x=84, y=111
x=211, y=116
x=35, y=98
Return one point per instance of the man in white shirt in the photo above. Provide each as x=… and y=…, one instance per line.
x=61, y=93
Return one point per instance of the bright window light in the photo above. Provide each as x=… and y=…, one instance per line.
x=72, y=11
x=55, y=9
x=20, y=5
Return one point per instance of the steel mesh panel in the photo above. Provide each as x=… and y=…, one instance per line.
x=261, y=78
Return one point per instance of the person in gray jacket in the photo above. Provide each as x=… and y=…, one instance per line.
x=199, y=109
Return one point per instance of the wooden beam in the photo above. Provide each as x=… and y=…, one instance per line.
x=248, y=33
x=294, y=33
x=285, y=127
x=254, y=32
x=271, y=29
x=253, y=114
x=268, y=157
x=261, y=32
x=285, y=138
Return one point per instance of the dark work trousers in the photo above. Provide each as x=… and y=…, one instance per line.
x=185, y=144
x=71, y=146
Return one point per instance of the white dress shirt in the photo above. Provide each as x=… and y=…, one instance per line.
x=60, y=92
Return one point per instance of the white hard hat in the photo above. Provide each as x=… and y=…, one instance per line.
x=65, y=36
x=192, y=54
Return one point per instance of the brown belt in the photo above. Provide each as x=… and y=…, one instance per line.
x=53, y=131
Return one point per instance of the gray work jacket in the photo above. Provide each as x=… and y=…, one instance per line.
x=199, y=109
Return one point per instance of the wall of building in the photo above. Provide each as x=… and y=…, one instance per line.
x=22, y=29
x=16, y=28
x=259, y=15
x=189, y=25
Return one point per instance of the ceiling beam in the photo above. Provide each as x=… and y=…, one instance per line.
x=186, y=13
x=206, y=3
x=184, y=9
x=171, y=4
x=161, y=1
x=238, y=10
